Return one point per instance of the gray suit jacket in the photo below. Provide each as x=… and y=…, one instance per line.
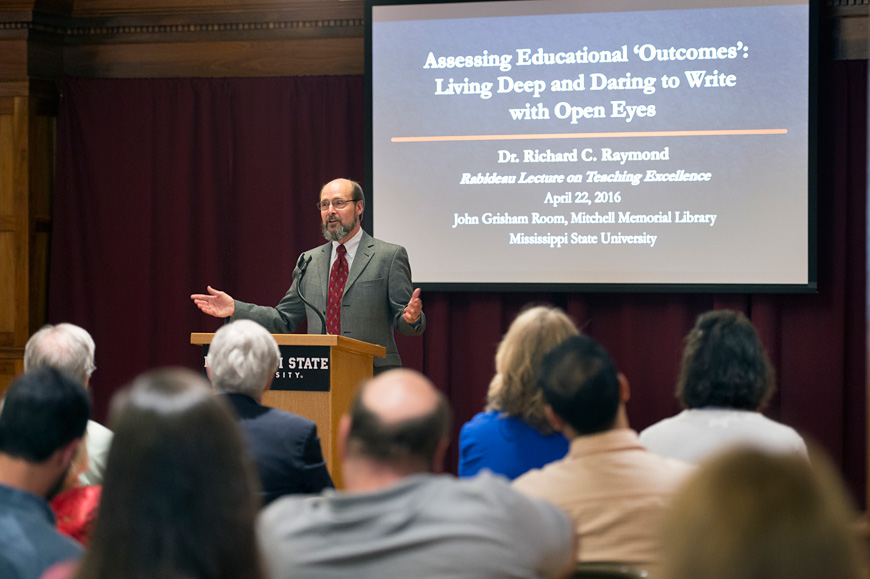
x=377, y=290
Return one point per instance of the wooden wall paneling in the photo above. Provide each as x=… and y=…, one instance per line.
x=306, y=9
x=13, y=58
x=217, y=58
x=180, y=38
x=31, y=47
x=9, y=369
x=28, y=6
x=214, y=38
x=45, y=54
x=19, y=214
x=41, y=152
x=53, y=6
x=13, y=235
x=27, y=143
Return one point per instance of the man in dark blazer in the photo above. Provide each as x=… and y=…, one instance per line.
x=378, y=297
x=285, y=448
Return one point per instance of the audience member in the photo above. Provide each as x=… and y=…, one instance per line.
x=725, y=380
x=751, y=514
x=615, y=490
x=512, y=434
x=397, y=518
x=71, y=349
x=76, y=505
x=180, y=495
x=242, y=360
x=42, y=421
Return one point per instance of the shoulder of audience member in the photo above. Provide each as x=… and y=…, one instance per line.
x=531, y=481
x=498, y=493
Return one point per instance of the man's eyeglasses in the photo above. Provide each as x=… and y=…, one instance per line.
x=337, y=203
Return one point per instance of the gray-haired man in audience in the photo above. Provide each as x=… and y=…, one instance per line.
x=397, y=518
x=70, y=348
x=242, y=361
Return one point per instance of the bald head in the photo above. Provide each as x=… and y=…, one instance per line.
x=399, y=419
x=400, y=395
x=344, y=188
x=336, y=186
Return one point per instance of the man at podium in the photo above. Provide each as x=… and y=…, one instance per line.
x=354, y=285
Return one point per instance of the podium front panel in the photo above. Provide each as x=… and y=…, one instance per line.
x=300, y=368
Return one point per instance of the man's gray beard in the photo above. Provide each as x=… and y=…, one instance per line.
x=340, y=232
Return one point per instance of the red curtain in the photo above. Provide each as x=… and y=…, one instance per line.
x=164, y=186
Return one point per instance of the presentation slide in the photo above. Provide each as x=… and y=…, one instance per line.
x=600, y=142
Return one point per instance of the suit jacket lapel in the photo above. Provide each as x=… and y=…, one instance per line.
x=323, y=270
x=364, y=254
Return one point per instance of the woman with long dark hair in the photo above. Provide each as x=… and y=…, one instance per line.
x=179, y=495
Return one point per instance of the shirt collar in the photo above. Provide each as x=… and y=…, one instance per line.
x=608, y=441
x=351, y=245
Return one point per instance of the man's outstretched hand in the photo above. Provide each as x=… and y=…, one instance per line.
x=217, y=303
x=414, y=308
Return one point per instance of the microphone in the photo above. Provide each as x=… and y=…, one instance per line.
x=302, y=264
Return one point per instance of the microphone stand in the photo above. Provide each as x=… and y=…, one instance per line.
x=303, y=267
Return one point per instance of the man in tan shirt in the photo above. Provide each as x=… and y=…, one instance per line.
x=614, y=489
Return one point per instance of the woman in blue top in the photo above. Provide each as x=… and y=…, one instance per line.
x=512, y=435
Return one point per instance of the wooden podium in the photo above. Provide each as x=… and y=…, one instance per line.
x=316, y=378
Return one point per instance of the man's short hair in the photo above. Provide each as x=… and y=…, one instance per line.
x=66, y=347
x=581, y=384
x=412, y=441
x=43, y=410
x=242, y=356
x=356, y=193
x=724, y=364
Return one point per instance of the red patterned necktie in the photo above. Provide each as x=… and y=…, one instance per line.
x=337, y=279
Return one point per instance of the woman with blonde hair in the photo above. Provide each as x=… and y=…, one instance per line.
x=753, y=514
x=512, y=434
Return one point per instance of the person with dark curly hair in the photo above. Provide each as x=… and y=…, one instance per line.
x=725, y=381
